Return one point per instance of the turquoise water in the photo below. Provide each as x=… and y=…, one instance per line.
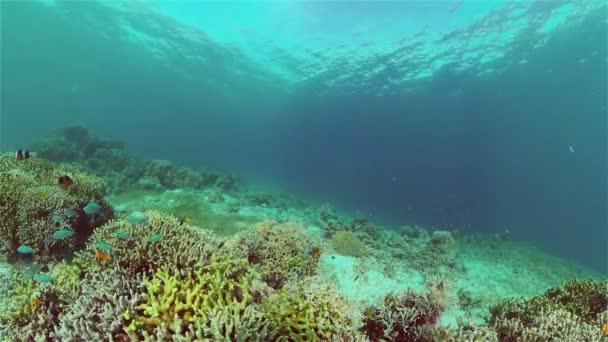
x=484, y=119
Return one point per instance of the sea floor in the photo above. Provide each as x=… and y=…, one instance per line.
x=483, y=269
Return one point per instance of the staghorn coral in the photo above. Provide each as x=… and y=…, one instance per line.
x=178, y=245
x=283, y=251
x=408, y=316
x=311, y=311
x=347, y=243
x=177, y=303
x=97, y=314
x=30, y=196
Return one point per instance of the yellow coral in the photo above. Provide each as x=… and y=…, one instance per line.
x=173, y=301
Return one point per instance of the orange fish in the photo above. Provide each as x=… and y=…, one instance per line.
x=35, y=303
x=606, y=328
x=101, y=256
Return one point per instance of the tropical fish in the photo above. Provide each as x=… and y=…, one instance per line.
x=69, y=212
x=57, y=218
x=185, y=219
x=101, y=255
x=65, y=181
x=137, y=217
x=35, y=303
x=103, y=246
x=605, y=328
x=43, y=277
x=24, y=249
x=63, y=233
x=155, y=237
x=92, y=208
x=122, y=234
x=22, y=154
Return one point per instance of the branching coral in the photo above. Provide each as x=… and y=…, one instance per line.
x=97, y=314
x=174, y=301
x=36, y=315
x=579, y=304
x=408, y=316
x=311, y=311
x=30, y=197
x=283, y=251
x=161, y=241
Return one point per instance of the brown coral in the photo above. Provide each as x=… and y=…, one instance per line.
x=283, y=251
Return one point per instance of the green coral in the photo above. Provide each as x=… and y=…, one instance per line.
x=347, y=243
x=30, y=197
x=173, y=301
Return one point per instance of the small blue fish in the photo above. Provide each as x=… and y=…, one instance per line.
x=69, y=213
x=43, y=277
x=137, y=217
x=103, y=246
x=24, y=249
x=63, y=234
x=57, y=218
x=155, y=237
x=122, y=234
x=91, y=208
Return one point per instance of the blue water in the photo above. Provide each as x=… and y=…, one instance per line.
x=444, y=114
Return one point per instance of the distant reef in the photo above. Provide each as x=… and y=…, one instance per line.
x=121, y=170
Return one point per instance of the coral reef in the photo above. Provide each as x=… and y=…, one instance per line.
x=31, y=199
x=408, y=316
x=172, y=301
x=282, y=251
x=97, y=313
x=311, y=311
x=347, y=243
x=570, y=312
x=161, y=241
x=109, y=159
